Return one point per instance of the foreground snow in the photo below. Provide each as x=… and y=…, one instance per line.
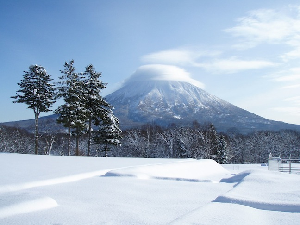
x=81, y=190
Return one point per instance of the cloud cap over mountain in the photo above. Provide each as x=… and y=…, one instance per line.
x=162, y=72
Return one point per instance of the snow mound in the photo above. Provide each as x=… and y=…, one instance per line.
x=277, y=191
x=204, y=170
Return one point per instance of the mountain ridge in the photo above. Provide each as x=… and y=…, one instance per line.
x=180, y=102
x=164, y=102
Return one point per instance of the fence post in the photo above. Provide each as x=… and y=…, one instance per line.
x=290, y=166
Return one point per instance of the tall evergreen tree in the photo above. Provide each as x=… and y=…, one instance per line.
x=72, y=113
x=37, y=91
x=108, y=132
x=212, y=140
x=64, y=87
x=221, y=156
x=96, y=106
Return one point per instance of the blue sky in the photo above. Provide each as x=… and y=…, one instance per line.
x=245, y=52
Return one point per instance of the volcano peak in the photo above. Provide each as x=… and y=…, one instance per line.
x=161, y=72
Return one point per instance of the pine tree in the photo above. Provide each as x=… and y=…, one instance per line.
x=72, y=113
x=221, y=156
x=96, y=106
x=212, y=140
x=181, y=151
x=37, y=92
x=108, y=132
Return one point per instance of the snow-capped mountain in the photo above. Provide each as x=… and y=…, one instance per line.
x=152, y=94
x=164, y=102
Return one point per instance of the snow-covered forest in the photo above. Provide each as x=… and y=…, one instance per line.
x=91, y=129
x=152, y=141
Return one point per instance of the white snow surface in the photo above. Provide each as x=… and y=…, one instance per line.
x=85, y=190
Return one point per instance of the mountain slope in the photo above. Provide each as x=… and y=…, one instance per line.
x=47, y=124
x=165, y=102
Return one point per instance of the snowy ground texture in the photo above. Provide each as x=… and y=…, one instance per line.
x=80, y=190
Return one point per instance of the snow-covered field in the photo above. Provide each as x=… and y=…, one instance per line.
x=81, y=190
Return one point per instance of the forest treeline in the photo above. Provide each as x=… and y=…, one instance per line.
x=91, y=129
x=194, y=141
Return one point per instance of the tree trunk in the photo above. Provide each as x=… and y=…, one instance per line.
x=89, y=136
x=50, y=144
x=69, y=141
x=36, y=146
x=77, y=142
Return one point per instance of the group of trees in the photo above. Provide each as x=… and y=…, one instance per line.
x=87, y=116
x=15, y=140
x=203, y=141
x=256, y=146
x=195, y=141
x=84, y=110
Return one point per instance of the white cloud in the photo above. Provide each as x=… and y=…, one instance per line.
x=294, y=54
x=293, y=86
x=269, y=26
x=295, y=100
x=262, y=25
x=187, y=57
x=234, y=64
x=173, y=56
x=162, y=72
x=290, y=77
x=179, y=56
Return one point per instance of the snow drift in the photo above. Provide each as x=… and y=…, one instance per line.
x=191, y=170
x=277, y=191
x=82, y=190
